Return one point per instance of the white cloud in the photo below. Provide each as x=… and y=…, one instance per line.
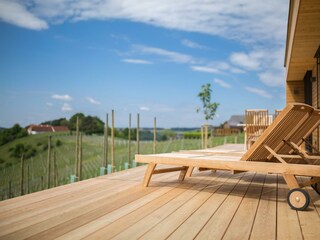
x=136, y=61
x=144, y=108
x=251, y=61
x=245, y=20
x=260, y=92
x=191, y=44
x=168, y=55
x=205, y=69
x=65, y=97
x=267, y=63
x=66, y=107
x=217, y=67
x=93, y=101
x=49, y=104
x=272, y=79
x=221, y=83
x=15, y=13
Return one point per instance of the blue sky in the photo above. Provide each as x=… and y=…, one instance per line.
x=149, y=57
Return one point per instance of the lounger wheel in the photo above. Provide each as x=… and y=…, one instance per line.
x=316, y=187
x=298, y=199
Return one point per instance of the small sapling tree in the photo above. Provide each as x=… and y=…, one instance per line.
x=208, y=108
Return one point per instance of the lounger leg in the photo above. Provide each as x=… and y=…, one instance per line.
x=189, y=171
x=148, y=175
x=291, y=181
x=183, y=173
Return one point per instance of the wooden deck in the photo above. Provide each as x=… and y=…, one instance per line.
x=209, y=205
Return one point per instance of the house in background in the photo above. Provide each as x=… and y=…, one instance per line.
x=236, y=121
x=36, y=129
x=302, y=56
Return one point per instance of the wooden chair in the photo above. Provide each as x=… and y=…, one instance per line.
x=257, y=121
x=277, y=112
x=275, y=151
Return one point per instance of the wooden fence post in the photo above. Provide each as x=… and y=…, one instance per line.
x=9, y=189
x=28, y=179
x=129, y=143
x=112, y=149
x=154, y=135
x=55, y=170
x=106, y=146
x=206, y=136
x=42, y=183
x=202, y=142
x=77, y=148
x=138, y=134
x=22, y=175
x=80, y=158
x=48, y=162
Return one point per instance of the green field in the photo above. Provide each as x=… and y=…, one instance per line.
x=35, y=172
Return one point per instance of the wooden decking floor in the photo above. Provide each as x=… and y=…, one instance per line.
x=209, y=205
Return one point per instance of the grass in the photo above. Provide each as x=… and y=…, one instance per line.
x=36, y=167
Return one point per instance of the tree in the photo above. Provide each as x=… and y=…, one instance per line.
x=209, y=109
x=73, y=120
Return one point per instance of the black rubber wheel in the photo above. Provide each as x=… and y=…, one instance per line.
x=298, y=199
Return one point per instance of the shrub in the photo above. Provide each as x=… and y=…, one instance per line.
x=8, y=164
x=58, y=143
x=192, y=135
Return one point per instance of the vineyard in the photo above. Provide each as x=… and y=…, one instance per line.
x=63, y=147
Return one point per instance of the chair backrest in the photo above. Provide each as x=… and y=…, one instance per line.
x=257, y=121
x=277, y=112
x=287, y=123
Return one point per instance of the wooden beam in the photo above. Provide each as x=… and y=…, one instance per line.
x=165, y=170
x=255, y=166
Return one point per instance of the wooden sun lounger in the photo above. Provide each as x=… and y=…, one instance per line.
x=276, y=151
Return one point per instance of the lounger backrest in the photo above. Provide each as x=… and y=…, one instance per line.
x=282, y=128
x=304, y=131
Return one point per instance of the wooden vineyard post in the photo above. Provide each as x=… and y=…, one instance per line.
x=138, y=135
x=77, y=147
x=48, y=162
x=154, y=135
x=129, y=143
x=80, y=158
x=206, y=136
x=112, y=140
x=9, y=189
x=55, y=170
x=202, y=141
x=106, y=146
x=28, y=179
x=22, y=175
x=42, y=184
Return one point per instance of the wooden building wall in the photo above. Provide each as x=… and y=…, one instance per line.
x=295, y=92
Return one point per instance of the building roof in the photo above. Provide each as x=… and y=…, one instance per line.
x=47, y=128
x=235, y=120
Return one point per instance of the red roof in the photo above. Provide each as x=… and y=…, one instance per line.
x=47, y=128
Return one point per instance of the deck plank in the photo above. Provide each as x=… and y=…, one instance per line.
x=239, y=229
x=164, y=228
x=219, y=222
x=191, y=227
x=288, y=226
x=208, y=205
x=138, y=229
x=264, y=226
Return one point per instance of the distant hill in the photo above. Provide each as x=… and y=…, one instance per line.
x=2, y=128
